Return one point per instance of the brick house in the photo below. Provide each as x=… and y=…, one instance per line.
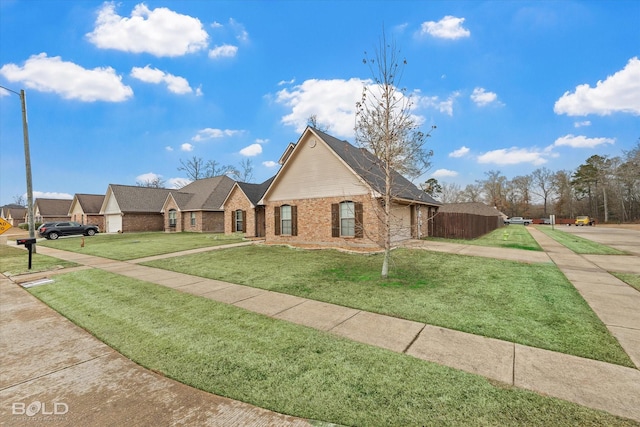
x=329, y=192
x=243, y=211
x=51, y=210
x=128, y=208
x=197, y=206
x=14, y=214
x=85, y=209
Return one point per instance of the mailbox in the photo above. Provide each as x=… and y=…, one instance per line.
x=26, y=242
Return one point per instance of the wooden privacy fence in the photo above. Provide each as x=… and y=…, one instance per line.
x=454, y=225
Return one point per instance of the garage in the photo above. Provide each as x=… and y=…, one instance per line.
x=113, y=223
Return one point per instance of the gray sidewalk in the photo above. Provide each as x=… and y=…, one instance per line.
x=595, y=384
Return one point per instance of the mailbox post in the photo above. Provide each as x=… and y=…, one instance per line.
x=29, y=244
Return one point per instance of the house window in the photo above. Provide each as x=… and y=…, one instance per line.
x=239, y=220
x=286, y=220
x=172, y=218
x=347, y=219
x=193, y=219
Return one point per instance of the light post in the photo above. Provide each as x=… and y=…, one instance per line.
x=27, y=160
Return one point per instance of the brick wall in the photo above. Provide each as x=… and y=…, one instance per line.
x=314, y=223
x=142, y=222
x=237, y=200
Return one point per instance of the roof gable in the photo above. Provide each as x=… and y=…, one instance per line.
x=53, y=207
x=89, y=203
x=130, y=198
x=205, y=194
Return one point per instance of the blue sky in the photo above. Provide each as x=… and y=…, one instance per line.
x=119, y=92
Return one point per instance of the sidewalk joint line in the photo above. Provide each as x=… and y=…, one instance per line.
x=348, y=318
x=414, y=339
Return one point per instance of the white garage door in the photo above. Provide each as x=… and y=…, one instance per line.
x=113, y=223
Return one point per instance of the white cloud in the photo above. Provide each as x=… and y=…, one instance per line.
x=251, y=150
x=481, y=97
x=224, y=51
x=175, y=84
x=68, y=80
x=444, y=173
x=333, y=102
x=270, y=164
x=241, y=33
x=148, y=177
x=618, y=93
x=582, y=124
x=160, y=32
x=262, y=140
x=177, y=183
x=50, y=195
x=4, y=92
x=168, y=148
x=445, y=107
x=286, y=82
x=186, y=147
x=580, y=141
x=460, y=152
x=211, y=133
x=514, y=156
x=449, y=27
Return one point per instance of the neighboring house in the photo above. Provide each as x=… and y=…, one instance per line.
x=128, y=208
x=243, y=211
x=329, y=192
x=50, y=210
x=197, y=206
x=14, y=214
x=85, y=209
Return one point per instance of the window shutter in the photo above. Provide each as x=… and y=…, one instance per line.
x=335, y=220
x=294, y=220
x=244, y=221
x=359, y=228
x=276, y=216
x=233, y=221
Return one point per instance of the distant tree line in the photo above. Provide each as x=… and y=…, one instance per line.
x=603, y=187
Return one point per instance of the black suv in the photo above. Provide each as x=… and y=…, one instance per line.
x=53, y=230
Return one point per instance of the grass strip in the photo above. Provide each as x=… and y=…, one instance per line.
x=128, y=246
x=632, y=280
x=15, y=261
x=578, y=244
x=289, y=368
x=511, y=237
x=530, y=304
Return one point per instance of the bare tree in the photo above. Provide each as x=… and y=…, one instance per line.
x=451, y=193
x=245, y=172
x=19, y=199
x=493, y=187
x=156, y=182
x=196, y=168
x=543, y=185
x=472, y=193
x=313, y=122
x=386, y=128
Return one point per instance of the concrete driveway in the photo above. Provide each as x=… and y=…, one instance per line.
x=625, y=239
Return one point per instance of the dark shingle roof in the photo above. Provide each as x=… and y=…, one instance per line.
x=90, y=203
x=133, y=198
x=254, y=192
x=476, y=208
x=53, y=207
x=369, y=168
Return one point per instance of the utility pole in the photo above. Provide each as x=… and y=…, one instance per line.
x=27, y=161
x=27, y=164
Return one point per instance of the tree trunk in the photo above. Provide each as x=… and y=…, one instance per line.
x=606, y=204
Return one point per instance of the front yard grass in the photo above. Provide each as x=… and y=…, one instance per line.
x=530, y=304
x=512, y=236
x=578, y=244
x=128, y=246
x=14, y=261
x=289, y=368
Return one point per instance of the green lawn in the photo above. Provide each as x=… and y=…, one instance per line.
x=579, y=244
x=513, y=236
x=631, y=279
x=14, y=261
x=289, y=368
x=531, y=304
x=129, y=246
